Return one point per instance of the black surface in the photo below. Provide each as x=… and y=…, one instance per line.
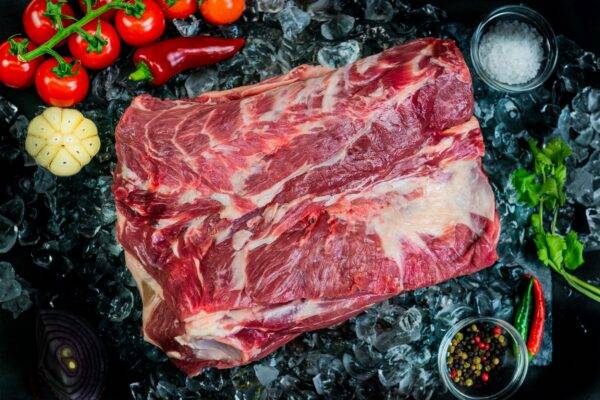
x=574, y=373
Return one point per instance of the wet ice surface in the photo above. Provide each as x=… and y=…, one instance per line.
x=64, y=228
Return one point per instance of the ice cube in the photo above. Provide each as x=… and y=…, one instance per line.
x=293, y=20
x=13, y=210
x=10, y=288
x=120, y=305
x=379, y=10
x=580, y=186
x=587, y=101
x=270, y=6
x=339, y=55
x=265, y=373
x=201, y=81
x=187, y=27
x=595, y=121
x=19, y=128
x=411, y=320
x=8, y=235
x=338, y=27
x=580, y=121
x=8, y=111
x=508, y=113
x=43, y=180
x=19, y=304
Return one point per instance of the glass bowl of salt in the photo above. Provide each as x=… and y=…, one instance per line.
x=514, y=49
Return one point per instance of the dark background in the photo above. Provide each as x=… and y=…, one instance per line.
x=574, y=373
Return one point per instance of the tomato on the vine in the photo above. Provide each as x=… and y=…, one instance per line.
x=141, y=29
x=107, y=16
x=101, y=48
x=15, y=73
x=177, y=9
x=39, y=27
x=62, y=86
x=222, y=12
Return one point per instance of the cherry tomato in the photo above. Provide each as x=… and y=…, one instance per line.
x=144, y=30
x=60, y=91
x=222, y=12
x=178, y=8
x=14, y=73
x=107, y=16
x=102, y=55
x=38, y=27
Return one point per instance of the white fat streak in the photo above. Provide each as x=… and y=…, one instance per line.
x=332, y=90
x=229, y=211
x=363, y=65
x=239, y=239
x=210, y=349
x=174, y=354
x=444, y=204
x=238, y=270
x=143, y=279
x=239, y=177
x=189, y=196
x=280, y=104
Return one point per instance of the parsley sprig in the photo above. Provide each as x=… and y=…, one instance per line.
x=544, y=189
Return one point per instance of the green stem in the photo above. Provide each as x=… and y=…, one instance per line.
x=66, y=32
x=554, y=218
x=141, y=73
x=581, y=289
x=541, y=212
x=59, y=58
x=582, y=283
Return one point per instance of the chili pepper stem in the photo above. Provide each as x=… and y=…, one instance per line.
x=142, y=73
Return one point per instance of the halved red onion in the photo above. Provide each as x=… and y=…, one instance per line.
x=71, y=358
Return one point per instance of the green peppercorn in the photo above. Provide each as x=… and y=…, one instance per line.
x=459, y=336
x=476, y=360
x=469, y=382
x=477, y=373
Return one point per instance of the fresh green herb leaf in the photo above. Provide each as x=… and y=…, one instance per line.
x=557, y=150
x=545, y=188
x=550, y=249
x=542, y=163
x=536, y=223
x=573, y=254
x=526, y=185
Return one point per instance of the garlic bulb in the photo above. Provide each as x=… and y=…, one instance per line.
x=62, y=140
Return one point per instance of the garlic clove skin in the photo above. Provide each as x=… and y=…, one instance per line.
x=54, y=116
x=62, y=140
x=64, y=164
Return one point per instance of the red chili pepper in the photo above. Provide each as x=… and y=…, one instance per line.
x=534, y=342
x=159, y=62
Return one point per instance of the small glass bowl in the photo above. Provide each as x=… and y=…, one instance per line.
x=510, y=374
x=530, y=17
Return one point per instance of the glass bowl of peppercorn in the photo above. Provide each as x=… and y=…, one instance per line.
x=483, y=358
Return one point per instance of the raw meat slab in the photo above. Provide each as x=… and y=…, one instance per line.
x=252, y=215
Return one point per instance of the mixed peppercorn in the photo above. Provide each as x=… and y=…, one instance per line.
x=474, y=353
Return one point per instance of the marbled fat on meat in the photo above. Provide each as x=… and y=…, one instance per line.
x=252, y=215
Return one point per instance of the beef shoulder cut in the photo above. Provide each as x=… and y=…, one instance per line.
x=252, y=215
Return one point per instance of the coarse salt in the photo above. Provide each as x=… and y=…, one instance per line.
x=511, y=52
